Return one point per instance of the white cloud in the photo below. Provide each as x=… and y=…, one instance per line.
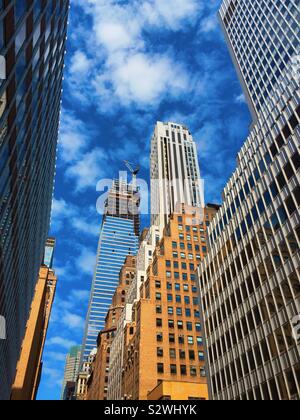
x=87, y=171
x=80, y=295
x=125, y=69
x=175, y=14
x=86, y=261
x=60, y=208
x=71, y=321
x=115, y=35
x=54, y=377
x=144, y=79
x=68, y=213
x=85, y=227
x=241, y=99
x=73, y=137
x=210, y=23
x=54, y=356
x=80, y=64
x=61, y=342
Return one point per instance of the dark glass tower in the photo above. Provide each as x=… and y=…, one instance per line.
x=32, y=47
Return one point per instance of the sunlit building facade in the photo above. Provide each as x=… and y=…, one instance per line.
x=263, y=39
x=250, y=280
x=174, y=173
x=71, y=372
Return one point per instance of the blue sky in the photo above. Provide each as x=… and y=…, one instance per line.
x=129, y=64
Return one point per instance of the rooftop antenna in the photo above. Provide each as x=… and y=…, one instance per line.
x=133, y=170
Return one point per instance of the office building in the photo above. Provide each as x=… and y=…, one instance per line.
x=164, y=355
x=84, y=375
x=118, y=239
x=32, y=48
x=49, y=252
x=29, y=367
x=147, y=242
x=72, y=367
x=105, y=364
x=263, y=39
x=250, y=280
x=174, y=174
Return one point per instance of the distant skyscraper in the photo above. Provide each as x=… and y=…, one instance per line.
x=29, y=367
x=71, y=372
x=105, y=366
x=49, y=252
x=32, y=47
x=118, y=238
x=250, y=280
x=175, y=173
x=263, y=37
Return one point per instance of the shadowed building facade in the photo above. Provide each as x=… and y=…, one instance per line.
x=32, y=48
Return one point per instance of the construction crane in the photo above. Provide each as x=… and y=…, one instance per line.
x=133, y=170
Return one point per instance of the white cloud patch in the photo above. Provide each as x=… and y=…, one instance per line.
x=80, y=64
x=210, y=23
x=87, y=171
x=125, y=69
x=143, y=79
x=68, y=213
x=61, y=342
x=71, y=321
x=86, y=261
x=241, y=99
x=73, y=137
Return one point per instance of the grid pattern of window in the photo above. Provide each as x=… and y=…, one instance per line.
x=263, y=37
x=118, y=239
x=250, y=281
x=32, y=41
x=175, y=173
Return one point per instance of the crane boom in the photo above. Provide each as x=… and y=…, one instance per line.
x=133, y=171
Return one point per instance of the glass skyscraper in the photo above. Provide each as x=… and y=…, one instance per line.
x=49, y=252
x=118, y=238
x=250, y=280
x=263, y=38
x=32, y=48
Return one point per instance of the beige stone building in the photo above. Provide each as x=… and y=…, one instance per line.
x=164, y=355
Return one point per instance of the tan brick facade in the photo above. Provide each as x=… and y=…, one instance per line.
x=164, y=344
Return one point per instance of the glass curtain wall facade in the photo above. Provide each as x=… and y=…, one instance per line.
x=118, y=239
x=250, y=280
x=263, y=38
x=32, y=47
